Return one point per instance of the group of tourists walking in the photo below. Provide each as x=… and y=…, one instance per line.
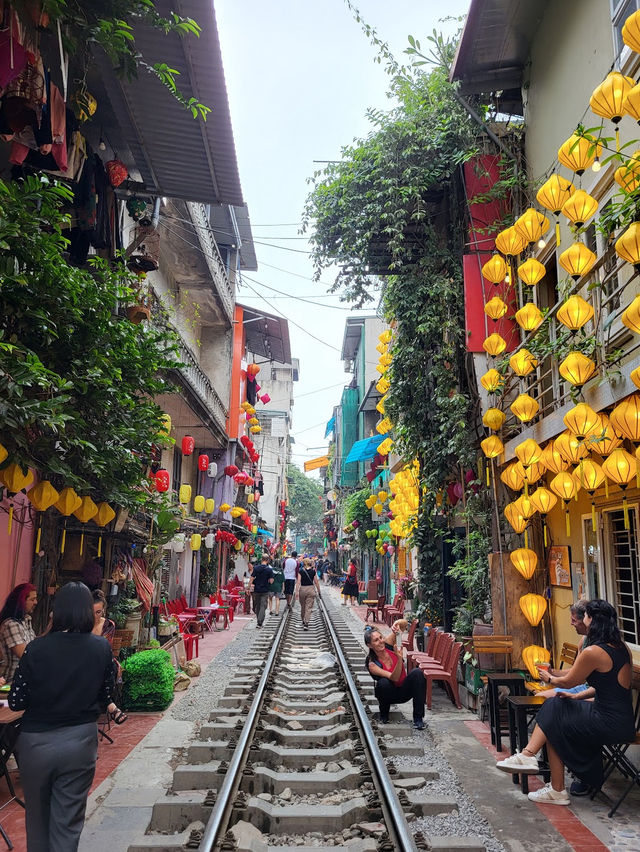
x=298, y=578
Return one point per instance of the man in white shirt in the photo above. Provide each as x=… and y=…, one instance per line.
x=289, y=567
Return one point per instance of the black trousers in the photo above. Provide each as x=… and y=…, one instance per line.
x=56, y=771
x=414, y=687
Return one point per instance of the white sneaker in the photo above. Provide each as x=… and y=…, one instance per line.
x=520, y=763
x=548, y=796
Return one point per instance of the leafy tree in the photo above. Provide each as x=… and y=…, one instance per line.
x=305, y=501
x=77, y=381
x=393, y=207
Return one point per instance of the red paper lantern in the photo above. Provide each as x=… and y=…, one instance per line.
x=203, y=462
x=252, y=371
x=188, y=445
x=265, y=398
x=240, y=478
x=162, y=480
x=231, y=470
x=249, y=481
x=117, y=172
x=256, y=495
x=245, y=441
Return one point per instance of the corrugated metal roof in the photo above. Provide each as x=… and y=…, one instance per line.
x=267, y=335
x=222, y=228
x=495, y=46
x=175, y=155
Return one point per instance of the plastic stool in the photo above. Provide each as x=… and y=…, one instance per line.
x=190, y=639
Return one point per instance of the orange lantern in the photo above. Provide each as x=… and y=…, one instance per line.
x=577, y=369
x=523, y=362
x=577, y=153
x=510, y=242
x=491, y=381
x=495, y=308
x=512, y=476
x=525, y=407
x=590, y=476
x=529, y=317
x=525, y=561
x=494, y=345
x=580, y=208
x=532, y=654
x=553, y=459
x=531, y=271
x=575, y=313
x=577, y=260
x=625, y=418
x=528, y=452
x=582, y=421
x=532, y=225
x=493, y=419
x=533, y=608
x=570, y=447
x=495, y=269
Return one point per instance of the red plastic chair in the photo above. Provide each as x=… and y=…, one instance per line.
x=447, y=674
x=407, y=644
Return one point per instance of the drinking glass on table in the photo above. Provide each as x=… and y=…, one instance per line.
x=543, y=665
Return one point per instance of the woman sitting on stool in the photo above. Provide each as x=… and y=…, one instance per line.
x=393, y=684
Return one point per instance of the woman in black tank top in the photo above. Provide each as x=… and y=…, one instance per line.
x=307, y=588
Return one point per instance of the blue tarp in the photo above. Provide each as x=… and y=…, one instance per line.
x=365, y=449
x=264, y=532
x=331, y=427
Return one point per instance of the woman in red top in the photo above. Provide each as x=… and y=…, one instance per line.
x=350, y=587
x=393, y=684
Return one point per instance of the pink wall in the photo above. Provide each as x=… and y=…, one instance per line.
x=16, y=551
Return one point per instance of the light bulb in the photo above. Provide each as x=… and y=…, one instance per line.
x=542, y=243
x=507, y=278
x=597, y=165
x=102, y=146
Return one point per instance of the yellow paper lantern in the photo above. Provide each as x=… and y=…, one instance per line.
x=512, y=476
x=631, y=32
x=554, y=193
x=577, y=368
x=525, y=407
x=378, y=508
x=184, y=494
x=515, y=518
x=553, y=459
x=495, y=269
x=510, y=242
x=382, y=348
x=254, y=529
x=210, y=505
x=385, y=337
x=224, y=508
x=42, y=496
x=621, y=468
x=625, y=418
x=577, y=260
x=532, y=225
x=580, y=208
x=493, y=419
x=104, y=515
x=494, y=345
x=237, y=511
x=529, y=317
x=634, y=375
x=14, y=479
x=369, y=502
x=590, y=476
x=631, y=316
x=198, y=504
x=543, y=500
x=627, y=176
x=628, y=245
x=575, y=312
x=3, y=453
x=245, y=405
x=532, y=473
x=525, y=561
x=86, y=510
x=577, y=153
x=383, y=385
x=492, y=446
x=533, y=608
x=250, y=499
x=525, y=507
x=523, y=362
x=196, y=541
x=531, y=271
x=582, y=421
x=528, y=452
x=380, y=405
x=565, y=485
x=385, y=447
x=608, y=98
x=570, y=447
x=533, y=653
x=383, y=496
x=67, y=502
x=384, y=426
x=491, y=381
x=604, y=441
x=255, y=430
x=495, y=308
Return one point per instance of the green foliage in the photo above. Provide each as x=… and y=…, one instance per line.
x=77, y=382
x=305, y=502
x=471, y=569
x=148, y=681
x=208, y=576
x=110, y=24
x=357, y=509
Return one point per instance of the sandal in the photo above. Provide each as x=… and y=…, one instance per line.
x=120, y=717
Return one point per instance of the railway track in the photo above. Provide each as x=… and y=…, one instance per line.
x=290, y=759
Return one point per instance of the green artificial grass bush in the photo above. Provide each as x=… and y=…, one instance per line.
x=148, y=681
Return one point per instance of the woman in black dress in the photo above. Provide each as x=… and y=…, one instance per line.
x=574, y=729
x=350, y=587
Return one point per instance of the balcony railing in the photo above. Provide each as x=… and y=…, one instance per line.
x=201, y=385
x=198, y=213
x=609, y=297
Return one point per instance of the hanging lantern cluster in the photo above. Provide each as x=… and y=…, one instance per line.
x=405, y=500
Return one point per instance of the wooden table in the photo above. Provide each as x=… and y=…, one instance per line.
x=515, y=682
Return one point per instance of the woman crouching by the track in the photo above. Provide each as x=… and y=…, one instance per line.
x=393, y=684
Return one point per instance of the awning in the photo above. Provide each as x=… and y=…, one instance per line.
x=266, y=335
x=331, y=427
x=264, y=532
x=365, y=449
x=314, y=464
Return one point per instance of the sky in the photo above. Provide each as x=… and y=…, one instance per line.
x=300, y=77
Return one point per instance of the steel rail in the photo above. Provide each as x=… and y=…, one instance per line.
x=404, y=838
x=219, y=815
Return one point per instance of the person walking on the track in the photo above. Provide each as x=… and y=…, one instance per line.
x=289, y=568
x=261, y=580
x=307, y=588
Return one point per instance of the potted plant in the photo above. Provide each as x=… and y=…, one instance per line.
x=207, y=582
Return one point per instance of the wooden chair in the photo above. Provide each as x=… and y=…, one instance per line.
x=498, y=646
x=447, y=673
x=373, y=607
x=382, y=602
x=372, y=589
x=568, y=654
x=393, y=604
